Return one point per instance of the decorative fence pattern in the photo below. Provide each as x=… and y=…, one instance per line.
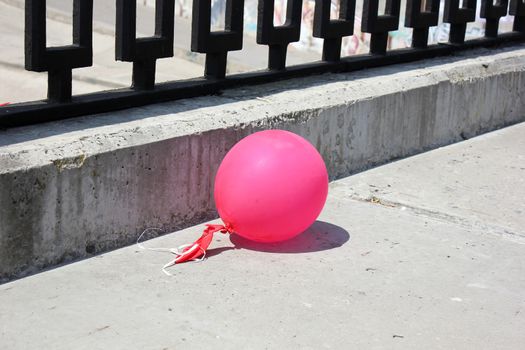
x=59, y=62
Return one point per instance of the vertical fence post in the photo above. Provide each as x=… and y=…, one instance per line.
x=379, y=25
x=216, y=44
x=458, y=17
x=144, y=52
x=58, y=61
x=517, y=9
x=421, y=20
x=278, y=37
x=492, y=13
x=332, y=31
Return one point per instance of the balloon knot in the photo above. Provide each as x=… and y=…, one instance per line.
x=228, y=228
x=219, y=228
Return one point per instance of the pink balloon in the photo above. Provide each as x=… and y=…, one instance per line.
x=271, y=186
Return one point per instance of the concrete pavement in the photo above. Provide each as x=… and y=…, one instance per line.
x=427, y=252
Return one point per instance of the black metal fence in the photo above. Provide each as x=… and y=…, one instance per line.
x=59, y=62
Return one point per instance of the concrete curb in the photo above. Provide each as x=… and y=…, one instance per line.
x=75, y=188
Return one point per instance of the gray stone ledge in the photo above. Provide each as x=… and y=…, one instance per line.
x=73, y=188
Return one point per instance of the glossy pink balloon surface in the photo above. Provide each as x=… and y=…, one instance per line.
x=271, y=186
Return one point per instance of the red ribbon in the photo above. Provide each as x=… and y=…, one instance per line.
x=198, y=248
x=4, y=104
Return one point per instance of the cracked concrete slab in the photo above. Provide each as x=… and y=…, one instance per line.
x=384, y=269
x=479, y=183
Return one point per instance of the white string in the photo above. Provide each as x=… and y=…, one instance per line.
x=141, y=246
x=177, y=251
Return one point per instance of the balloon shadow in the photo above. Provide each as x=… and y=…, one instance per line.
x=320, y=236
x=217, y=251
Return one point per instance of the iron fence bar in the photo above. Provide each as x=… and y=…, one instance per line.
x=458, y=16
x=333, y=31
x=58, y=61
x=107, y=101
x=492, y=13
x=144, y=52
x=216, y=44
x=421, y=21
x=278, y=37
x=517, y=9
x=379, y=25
